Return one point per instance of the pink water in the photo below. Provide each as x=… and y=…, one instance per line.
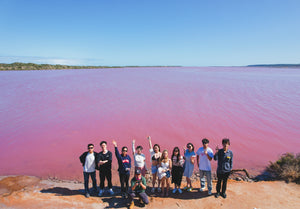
x=49, y=117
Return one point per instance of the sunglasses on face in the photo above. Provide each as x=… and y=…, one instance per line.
x=189, y=146
x=176, y=150
x=91, y=148
x=124, y=150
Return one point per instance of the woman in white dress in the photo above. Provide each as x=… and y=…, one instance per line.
x=154, y=158
x=164, y=172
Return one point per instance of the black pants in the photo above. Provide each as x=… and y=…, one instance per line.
x=124, y=178
x=86, y=181
x=222, y=177
x=105, y=173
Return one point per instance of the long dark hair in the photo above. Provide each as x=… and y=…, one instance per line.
x=178, y=155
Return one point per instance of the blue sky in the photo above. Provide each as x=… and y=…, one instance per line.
x=152, y=32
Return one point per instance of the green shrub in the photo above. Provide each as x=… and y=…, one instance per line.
x=286, y=168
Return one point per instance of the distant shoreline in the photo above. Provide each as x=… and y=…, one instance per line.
x=19, y=66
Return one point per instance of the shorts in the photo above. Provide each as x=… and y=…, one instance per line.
x=154, y=169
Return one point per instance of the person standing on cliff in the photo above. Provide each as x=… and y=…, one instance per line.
x=224, y=157
x=104, y=163
x=204, y=156
x=124, y=162
x=87, y=160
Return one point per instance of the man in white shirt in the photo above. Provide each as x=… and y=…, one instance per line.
x=204, y=156
x=88, y=162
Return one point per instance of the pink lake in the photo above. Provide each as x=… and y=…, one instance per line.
x=49, y=117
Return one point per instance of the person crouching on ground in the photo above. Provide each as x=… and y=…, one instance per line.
x=124, y=162
x=224, y=157
x=164, y=172
x=204, y=156
x=155, y=156
x=88, y=162
x=138, y=187
x=105, y=159
x=177, y=170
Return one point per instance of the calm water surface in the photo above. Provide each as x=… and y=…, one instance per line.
x=49, y=117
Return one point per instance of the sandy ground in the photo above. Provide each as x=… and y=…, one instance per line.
x=31, y=192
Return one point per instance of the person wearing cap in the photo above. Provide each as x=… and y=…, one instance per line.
x=87, y=160
x=124, y=162
x=139, y=158
x=204, y=156
x=138, y=187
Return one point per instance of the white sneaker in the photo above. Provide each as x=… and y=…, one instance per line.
x=100, y=192
x=174, y=190
x=159, y=189
x=153, y=190
x=201, y=189
x=209, y=192
x=111, y=192
x=179, y=190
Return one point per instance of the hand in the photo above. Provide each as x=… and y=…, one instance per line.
x=114, y=143
x=149, y=138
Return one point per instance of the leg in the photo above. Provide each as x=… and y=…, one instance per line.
x=202, y=179
x=108, y=177
x=144, y=197
x=102, y=179
x=225, y=178
x=127, y=182
x=154, y=179
x=122, y=181
x=131, y=196
x=163, y=186
x=86, y=182
x=93, y=177
x=168, y=186
x=220, y=178
x=209, y=180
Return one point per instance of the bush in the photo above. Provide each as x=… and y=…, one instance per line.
x=286, y=168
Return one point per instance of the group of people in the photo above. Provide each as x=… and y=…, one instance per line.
x=165, y=169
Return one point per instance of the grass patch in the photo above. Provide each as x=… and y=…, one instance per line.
x=287, y=168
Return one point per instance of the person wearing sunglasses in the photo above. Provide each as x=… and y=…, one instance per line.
x=154, y=159
x=139, y=158
x=189, y=157
x=124, y=162
x=204, y=156
x=177, y=169
x=87, y=160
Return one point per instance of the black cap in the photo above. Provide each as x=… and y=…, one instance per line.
x=138, y=171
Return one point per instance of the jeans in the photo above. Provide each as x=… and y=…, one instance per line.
x=124, y=178
x=105, y=173
x=208, y=179
x=141, y=195
x=222, y=177
x=86, y=181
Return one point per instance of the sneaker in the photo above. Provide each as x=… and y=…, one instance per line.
x=174, y=190
x=209, y=192
x=223, y=195
x=153, y=190
x=189, y=189
x=217, y=195
x=201, y=189
x=185, y=188
x=131, y=205
x=159, y=189
x=87, y=195
x=111, y=192
x=179, y=190
x=101, y=191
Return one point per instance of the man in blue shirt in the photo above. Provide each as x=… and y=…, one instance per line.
x=224, y=157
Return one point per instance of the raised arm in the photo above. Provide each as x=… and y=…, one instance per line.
x=150, y=143
x=133, y=146
x=117, y=153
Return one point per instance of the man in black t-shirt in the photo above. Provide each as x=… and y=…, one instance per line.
x=104, y=163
